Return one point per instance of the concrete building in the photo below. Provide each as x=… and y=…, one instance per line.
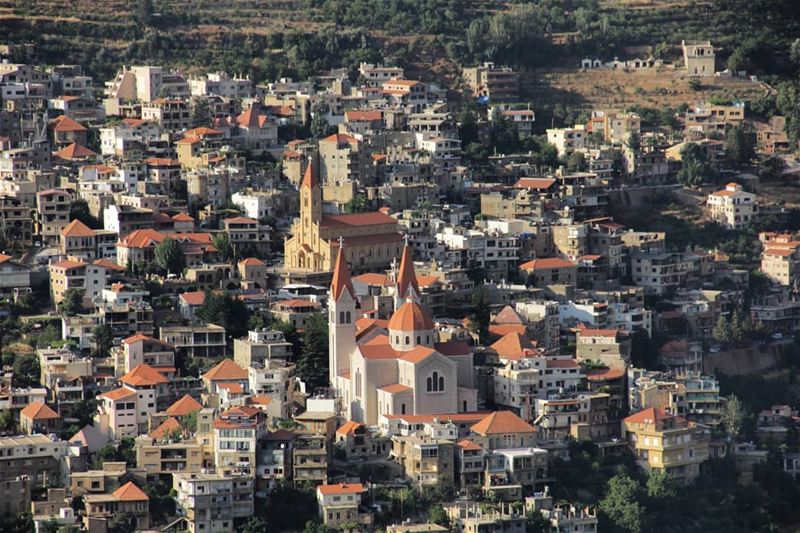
x=211, y=502
x=698, y=58
x=732, y=207
x=666, y=443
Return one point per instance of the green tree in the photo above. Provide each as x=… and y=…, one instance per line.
x=358, y=204
x=479, y=315
x=169, y=257
x=722, y=330
x=143, y=12
x=226, y=311
x=201, y=113
x=438, y=516
x=8, y=424
x=733, y=416
x=103, y=340
x=254, y=524
x=634, y=141
x=695, y=168
x=660, y=485
x=740, y=146
x=79, y=210
x=223, y=243
x=84, y=411
x=536, y=523
x=771, y=168
x=312, y=367
x=71, y=303
x=620, y=504
x=320, y=127
x=290, y=334
x=26, y=371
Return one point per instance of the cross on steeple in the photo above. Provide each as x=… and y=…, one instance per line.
x=341, y=241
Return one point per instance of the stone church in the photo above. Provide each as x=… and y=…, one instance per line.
x=371, y=239
x=394, y=366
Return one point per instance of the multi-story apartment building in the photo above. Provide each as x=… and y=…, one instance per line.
x=733, y=207
x=38, y=457
x=158, y=457
x=568, y=140
x=339, y=504
x=259, y=347
x=342, y=159
x=197, y=341
x=492, y=82
x=666, y=442
x=211, y=502
x=425, y=461
x=780, y=260
x=611, y=347
x=124, y=412
x=310, y=458
x=169, y=114
x=550, y=271
x=236, y=434
x=128, y=504
x=52, y=208
x=582, y=417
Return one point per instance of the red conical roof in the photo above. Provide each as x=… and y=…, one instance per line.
x=309, y=179
x=341, y=277
x=407, y=277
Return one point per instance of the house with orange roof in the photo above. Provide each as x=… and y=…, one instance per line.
x=667, y=443
x=139, y=246
x=780, y=258
x=732, y=206
x=236, y=434
x=550, y=271
x=38, y=417
x=469, y=464
x=74, y=152
x=503, y=429
x=252, y=273
x=224, y=374
x=254, y=130
x=141, y=349
x=339, y=504
x=79, y=241
x=15, y=277
x=128, y=503
x=66, y=131
x=125, y=412
x=70, y=274
x=128, y=135
x=185, y=406
x=247, y=235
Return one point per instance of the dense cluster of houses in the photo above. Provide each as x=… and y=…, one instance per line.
x=381, y=226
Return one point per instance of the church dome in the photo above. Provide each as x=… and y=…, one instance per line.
x=410, y=317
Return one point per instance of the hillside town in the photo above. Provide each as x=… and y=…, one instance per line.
x=376, y=303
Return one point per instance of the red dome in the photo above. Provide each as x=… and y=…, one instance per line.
x=410, y=317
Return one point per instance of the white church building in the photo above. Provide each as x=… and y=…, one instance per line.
x=397, y=366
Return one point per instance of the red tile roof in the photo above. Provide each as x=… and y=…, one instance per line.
x=75, y=151
x=76, y=228
x=341, y=278
x=39, y=411
x=342, y=488
x=534, y=183
x=185, y=406
x=357, y=220
x=406, y=278
x=129, y=492
x=501, y=423
x=226, y=370
x=64, y=124
x=143, y=376
x=167, y=427
x=514, y=346
x=349, y=427
x=546, y=263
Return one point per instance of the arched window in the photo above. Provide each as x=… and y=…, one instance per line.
x=418, y=340
x=435, y=379
x=427, y=339
x=441, y=383
x=408, y=340
x=397, y=339
x=347, y=317
x=341, y=316
x=402, y=408
x=430, y=386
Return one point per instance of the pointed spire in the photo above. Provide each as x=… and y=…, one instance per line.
x=407, y=277
x=341, y=275
x=309, y=179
